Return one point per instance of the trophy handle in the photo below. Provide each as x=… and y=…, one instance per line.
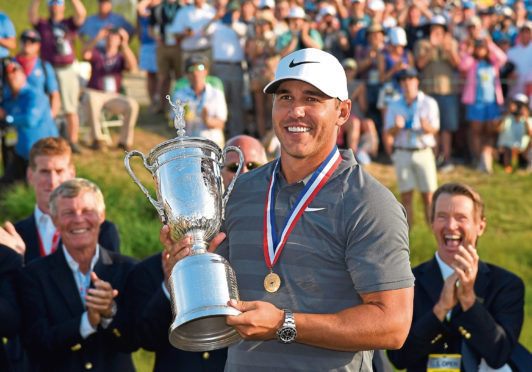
x=154, y=202
x=227, y=192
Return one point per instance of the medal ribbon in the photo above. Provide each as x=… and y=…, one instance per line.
x=273, y=244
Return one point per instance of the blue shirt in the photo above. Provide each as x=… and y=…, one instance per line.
x=94, y=24
x=30, y=113
x=485, y=83
x=40, y=79
x=6, y=30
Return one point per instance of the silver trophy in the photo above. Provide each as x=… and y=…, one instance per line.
x=188, y=183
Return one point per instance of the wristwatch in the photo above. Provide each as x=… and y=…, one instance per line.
x=287, y=333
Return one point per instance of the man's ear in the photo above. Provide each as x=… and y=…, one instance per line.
x=344, y=109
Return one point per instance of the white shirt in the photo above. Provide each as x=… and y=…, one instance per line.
x=195, y=19
x=521, y=57
x=83, y=282
x=427, y=108
x=46, y=229
x=227, y=41
x=211, y=98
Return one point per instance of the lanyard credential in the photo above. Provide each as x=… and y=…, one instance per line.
x=273, y=243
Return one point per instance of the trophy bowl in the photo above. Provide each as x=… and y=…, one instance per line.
x=188, y=183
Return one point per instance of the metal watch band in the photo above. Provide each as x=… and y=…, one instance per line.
x=287, y=333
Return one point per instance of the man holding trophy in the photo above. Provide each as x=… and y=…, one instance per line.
x=318, y=246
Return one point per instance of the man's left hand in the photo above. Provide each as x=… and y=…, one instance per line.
x=259, y=320
x=466, y=266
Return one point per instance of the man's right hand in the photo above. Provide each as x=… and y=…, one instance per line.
x=176, y=251
x=12, y=239
x=448, y=298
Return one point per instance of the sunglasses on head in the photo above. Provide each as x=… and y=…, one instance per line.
x=193, y=68
x=58, y=2
x=233, y=167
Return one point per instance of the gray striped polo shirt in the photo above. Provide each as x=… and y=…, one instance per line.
x=352, y=239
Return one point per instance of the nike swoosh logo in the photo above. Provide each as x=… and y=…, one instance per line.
x=292, y=64
x=309, y=209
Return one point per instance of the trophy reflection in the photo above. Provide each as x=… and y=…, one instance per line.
x=188, y=183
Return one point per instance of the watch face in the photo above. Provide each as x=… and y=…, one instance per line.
x=287, y=334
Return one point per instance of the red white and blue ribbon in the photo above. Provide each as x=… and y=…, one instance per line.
x=273, y=244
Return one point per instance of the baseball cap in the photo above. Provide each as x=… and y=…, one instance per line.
x=397, y=36
x=327, y=10
x=409, y=72
x=297, y=12
x=474, y=21
x=196, y=59
x=527, y=24
x=376, y=5
x=374, y=27
x=438, y=20
x=315, y=67
x=267, y=4
x=30, y=35
x=468, y=5
x=349, y=63
x=521, y=98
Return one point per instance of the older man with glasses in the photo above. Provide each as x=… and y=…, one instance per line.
x=254, y=157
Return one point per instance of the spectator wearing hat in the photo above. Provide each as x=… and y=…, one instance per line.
x=412, y=122
x=57, y=47
x=460, y=19
x=262, y=59
x=335, y=40
x=473, y=32
x=206, y=109
x=515, y=130
x=437, y=59
x=521, y=55
x=227, y=35
x=375, y=10
x=483, y=96
x=28, y=110
x=104, y=18
x=187, y=26
x=505, y=27
x=40, y=74
x=300, y=34
x=104, y=87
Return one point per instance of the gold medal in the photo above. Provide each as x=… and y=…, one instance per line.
x=272, y=282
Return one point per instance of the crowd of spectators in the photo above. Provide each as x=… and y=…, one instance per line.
x=472, y=58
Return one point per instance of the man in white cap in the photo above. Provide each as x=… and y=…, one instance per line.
x=336, y=282
x=300, y=35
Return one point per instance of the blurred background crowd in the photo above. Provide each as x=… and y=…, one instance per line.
x=473, y=58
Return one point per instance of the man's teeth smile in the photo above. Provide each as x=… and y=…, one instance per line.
x=453, y=240
x=78, y=231
x=298, y=129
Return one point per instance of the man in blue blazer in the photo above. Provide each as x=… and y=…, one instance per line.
x=72, y=299
x=50, y=163
x=467, y=313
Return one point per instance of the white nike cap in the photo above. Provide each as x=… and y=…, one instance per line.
x=315, y=67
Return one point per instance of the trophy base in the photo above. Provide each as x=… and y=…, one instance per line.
x=201, y=285
x=204, y=334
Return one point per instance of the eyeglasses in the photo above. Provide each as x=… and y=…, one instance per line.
x=29, y=40
x=199, y=67
x=233, y=167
